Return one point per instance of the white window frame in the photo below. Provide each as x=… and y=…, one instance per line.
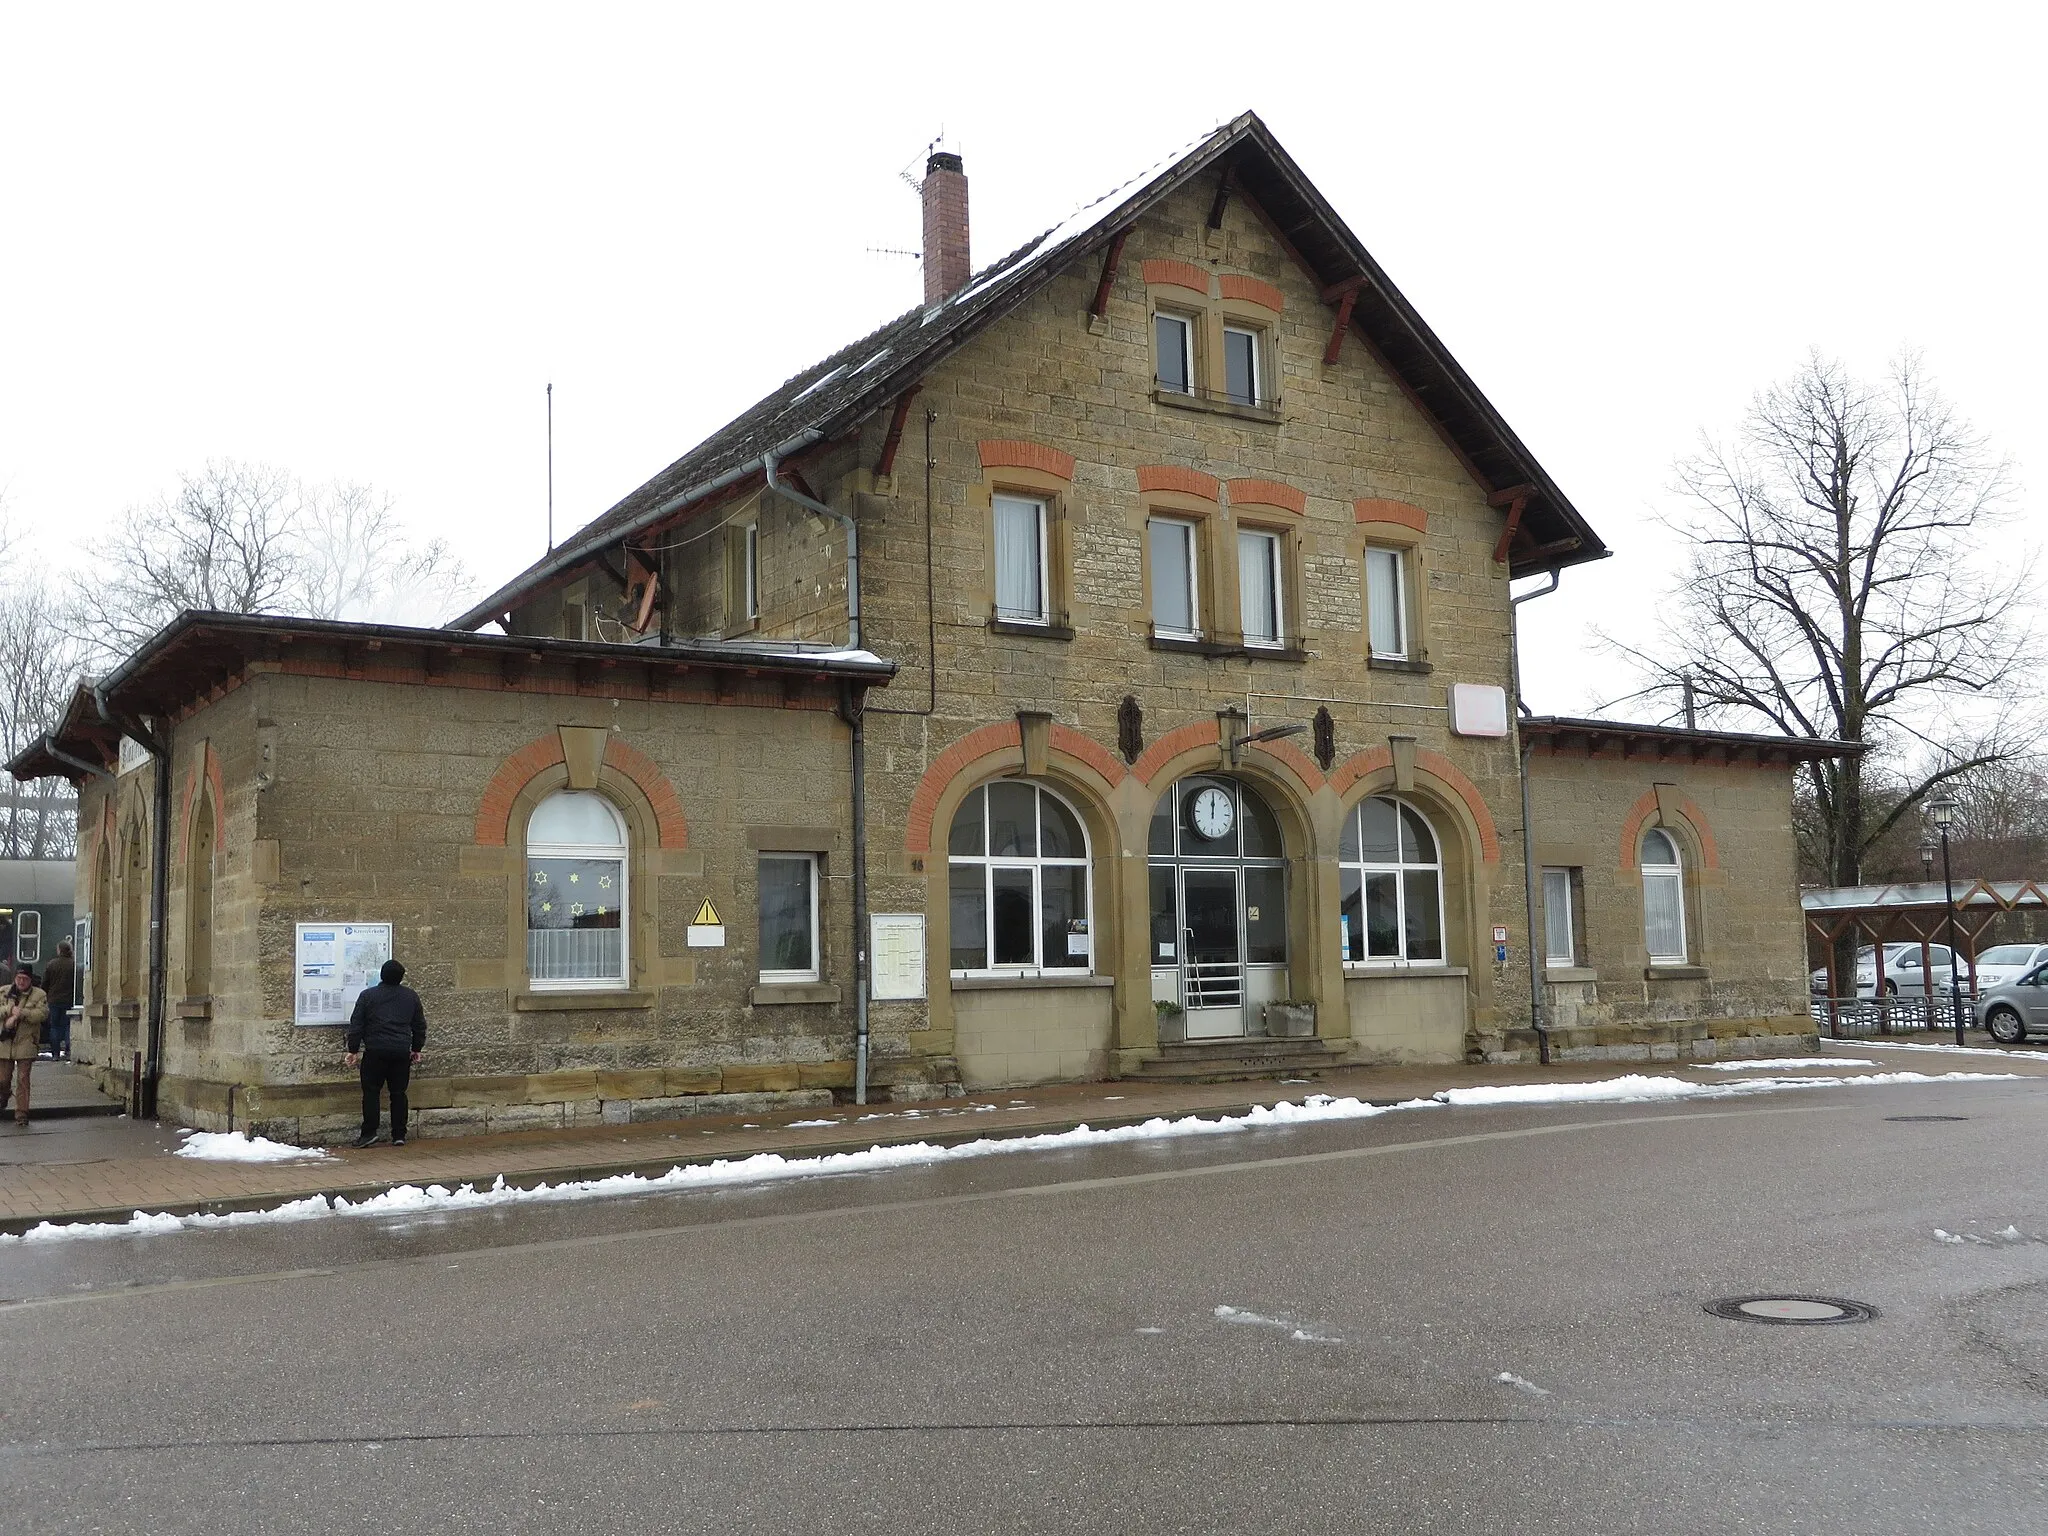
x=1044, y=614
x=1559, y=879
x=750, y=575
x=816, y=970
x=1191, y=532
x=1400, y=870
x=1404, y=641
x=1674, y=874
x=1276, y=543
x=1037, y=864
x=1187, y=323
x=620, y=852
x=28, y=935
x=1257, y=339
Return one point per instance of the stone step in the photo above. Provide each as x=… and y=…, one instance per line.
x=1223, y=1061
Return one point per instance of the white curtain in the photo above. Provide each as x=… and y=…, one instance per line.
x=1173, y=597
x=1557, y=916
x=1664, y=912
x=1258, y=581
x=1020, y=584
x=1389, y=629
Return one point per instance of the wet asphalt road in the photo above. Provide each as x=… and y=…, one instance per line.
x=1033, y=1343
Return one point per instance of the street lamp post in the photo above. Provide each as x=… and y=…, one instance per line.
x=1941, y=810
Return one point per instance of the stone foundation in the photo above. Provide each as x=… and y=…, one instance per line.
x=1707, y=1040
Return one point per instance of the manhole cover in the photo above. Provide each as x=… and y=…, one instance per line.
x=1921, y=1119
x=1792, y=1309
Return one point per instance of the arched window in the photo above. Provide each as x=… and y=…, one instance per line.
x=199, y=903
x=1663, y=899
x=1391, y=876
x=576, y=893
x=1018, y=882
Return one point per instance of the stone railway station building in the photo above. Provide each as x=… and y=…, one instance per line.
x=1106, y=668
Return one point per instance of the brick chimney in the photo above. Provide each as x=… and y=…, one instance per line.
x=946, y=263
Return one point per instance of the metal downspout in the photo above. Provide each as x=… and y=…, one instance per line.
x=853, y=704
x=1529, y=874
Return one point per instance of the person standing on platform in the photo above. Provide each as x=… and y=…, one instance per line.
x=60, y=982
x=386, y=1033
x=23, y=1007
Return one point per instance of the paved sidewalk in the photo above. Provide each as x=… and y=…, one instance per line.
x=59, y=1091
x=105, y=1170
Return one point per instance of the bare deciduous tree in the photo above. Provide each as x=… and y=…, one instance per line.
x=249, y=538
x=1846, y=580
x=39, y=664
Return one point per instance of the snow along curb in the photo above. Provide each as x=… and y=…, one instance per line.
x=773, y=1167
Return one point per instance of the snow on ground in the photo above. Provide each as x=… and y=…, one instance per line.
x=1509, y=1378
x=1951, y=1050
x=1298, y=1333
x=1780, y=1063
x=235, y=1147
x=805, y=1125
x=1636, y=1089
x=769, y=1167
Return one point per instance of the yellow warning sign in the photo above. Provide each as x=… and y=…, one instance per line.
x=707, y=915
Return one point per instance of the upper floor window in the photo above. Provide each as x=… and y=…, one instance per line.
x=1018, y=882
x=750, y=571
x=1260, y=600
x=1021, y=577
x=1176, y=612
x=575, y=893
x=1663, y=899
x=1386, y=603
x=1241, y=349
x=1391, y=886
x=1174, y=340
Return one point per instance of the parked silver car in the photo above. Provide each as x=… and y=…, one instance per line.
x=2006, y=962
x=2017, y=1009
x=1903, y=972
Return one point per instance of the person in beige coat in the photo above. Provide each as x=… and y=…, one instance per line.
x=23, y=1009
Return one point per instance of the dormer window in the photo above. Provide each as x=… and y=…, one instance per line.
x=1174, y=340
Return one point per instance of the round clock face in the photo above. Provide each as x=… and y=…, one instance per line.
x=1214, y=815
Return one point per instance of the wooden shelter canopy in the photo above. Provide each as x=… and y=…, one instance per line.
x=199, y=656
x=1915, y=911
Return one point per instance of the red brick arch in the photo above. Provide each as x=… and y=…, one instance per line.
x=494, y=813
x=1373, y=760
x=1645, y=809
x=947, y=766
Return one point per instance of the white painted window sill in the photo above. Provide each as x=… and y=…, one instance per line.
x=1028, y=983
x=1356, y=971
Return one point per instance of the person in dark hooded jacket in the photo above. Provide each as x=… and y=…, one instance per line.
x=386, y=1033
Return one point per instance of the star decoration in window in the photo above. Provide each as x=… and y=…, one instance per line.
x=540, y=877
x=605, y=881
x=575, y=909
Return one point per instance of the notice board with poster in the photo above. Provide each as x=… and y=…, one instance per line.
x=332, y=964
x=897, y=974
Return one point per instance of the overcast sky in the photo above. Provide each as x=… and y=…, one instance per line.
x=358, y=241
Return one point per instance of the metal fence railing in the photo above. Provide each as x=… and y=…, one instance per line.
x=1891, y=1015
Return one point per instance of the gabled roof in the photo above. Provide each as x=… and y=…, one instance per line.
x=852, y=384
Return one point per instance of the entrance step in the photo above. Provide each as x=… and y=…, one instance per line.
x=1226, y=1061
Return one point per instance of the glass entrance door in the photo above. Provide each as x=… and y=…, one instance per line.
x=1212, y=963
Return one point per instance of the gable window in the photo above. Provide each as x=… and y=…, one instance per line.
x=1391, y=886
x=1241, y=365
x=789, y=916
x=1558, y=946
x=1259, y=595
x=1021, y=560
x=575, y=893
x=1175, y=612
x=1017, y=882
x=1386, y=603
x=1173, y=339
x=1663, y=899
